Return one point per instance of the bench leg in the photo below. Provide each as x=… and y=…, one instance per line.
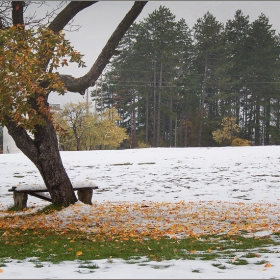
x=20, y=199
x=85, y=195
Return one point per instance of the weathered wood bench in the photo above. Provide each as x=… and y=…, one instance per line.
x=20, y=193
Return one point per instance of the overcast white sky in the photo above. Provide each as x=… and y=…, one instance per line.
x=99, y=21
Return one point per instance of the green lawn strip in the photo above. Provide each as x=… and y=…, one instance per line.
x=57, y=246
x=45, y=210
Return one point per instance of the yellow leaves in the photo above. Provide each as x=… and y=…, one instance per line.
x=23, y=56
x=122, y=221
x=79, y=253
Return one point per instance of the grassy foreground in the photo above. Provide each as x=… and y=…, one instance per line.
x=21, y=238
x=58, y=245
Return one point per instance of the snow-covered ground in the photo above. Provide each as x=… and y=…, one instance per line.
x=220, y=184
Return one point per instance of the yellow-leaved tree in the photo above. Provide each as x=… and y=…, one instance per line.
x=228, y=132
x=105, y=134
x=85, y=130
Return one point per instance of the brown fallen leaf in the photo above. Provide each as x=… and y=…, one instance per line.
x=79, y=253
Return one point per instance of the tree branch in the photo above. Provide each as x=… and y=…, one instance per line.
x=81, y=84
x=68, y=13
x=22, y=140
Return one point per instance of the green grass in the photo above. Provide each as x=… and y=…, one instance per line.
x=56, y=246
x=120, y=164
x=219, y=265
x=14, y=208
x=46, y=210
x=238, y=262
x=88, y=265
x=49, y=208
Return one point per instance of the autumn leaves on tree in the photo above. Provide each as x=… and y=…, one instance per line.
x=82, y=129
x=29, y=63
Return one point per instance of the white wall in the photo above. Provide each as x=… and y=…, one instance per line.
x=9, y=146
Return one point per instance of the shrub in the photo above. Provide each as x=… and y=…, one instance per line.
x=240, y=142
x=143, y=145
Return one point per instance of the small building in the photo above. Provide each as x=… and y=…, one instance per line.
x=9, y=145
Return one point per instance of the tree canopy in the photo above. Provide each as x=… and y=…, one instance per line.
x=174, y=84
x=83, y=129
x=29, y=60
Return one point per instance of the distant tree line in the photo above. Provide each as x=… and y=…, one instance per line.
x=173, y=85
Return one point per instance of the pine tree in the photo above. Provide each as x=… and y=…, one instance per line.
x=209, y=49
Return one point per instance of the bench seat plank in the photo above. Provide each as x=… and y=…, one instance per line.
x=42, y=188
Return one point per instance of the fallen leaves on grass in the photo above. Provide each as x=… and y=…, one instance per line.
x=79, y=253
x=155, y=220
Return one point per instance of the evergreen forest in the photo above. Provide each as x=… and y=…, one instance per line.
x=173, y=85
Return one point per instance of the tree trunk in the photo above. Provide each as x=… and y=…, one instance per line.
x=159, y=105
x=155, y=105
x=147, y=118
x=202, y=101
x=17, y=12
x=267, y=121
x=257, y=122
x=43, y=150
x=44, y=153
x=175, y=130
x=133, y=143
x=171, y=122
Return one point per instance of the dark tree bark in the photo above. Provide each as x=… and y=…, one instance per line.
x=81, y=84
x=68, y=13
x=155, y=103
x=202, y=101
x=43, y=149
x=44, y=153
x=17, y=12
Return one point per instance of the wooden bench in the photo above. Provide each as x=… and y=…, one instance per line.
x=20, y=193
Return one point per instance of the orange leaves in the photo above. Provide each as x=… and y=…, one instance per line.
x=1, y=270
x=25, y=74
x=268, y=265
x=121, y=221
x=79, y=253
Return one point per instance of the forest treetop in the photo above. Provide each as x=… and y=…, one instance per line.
x=173, y=84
